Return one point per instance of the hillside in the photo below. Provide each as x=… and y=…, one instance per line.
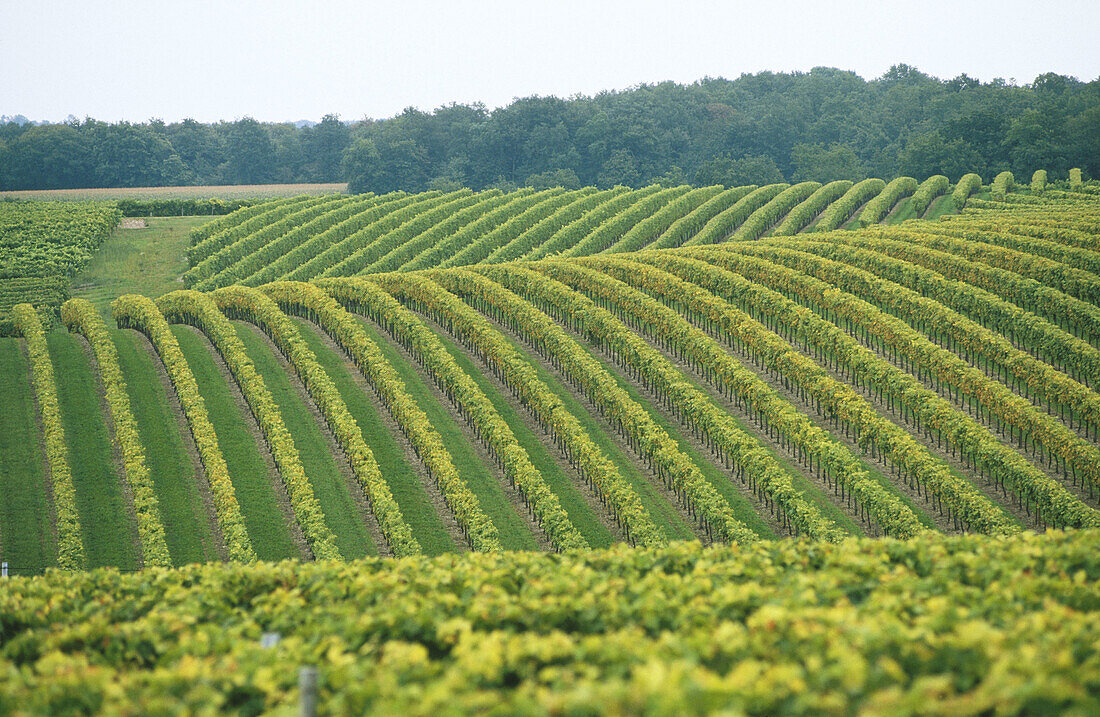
x=774, y=450
x=743, y=385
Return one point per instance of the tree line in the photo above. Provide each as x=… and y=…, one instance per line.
x=821, y=125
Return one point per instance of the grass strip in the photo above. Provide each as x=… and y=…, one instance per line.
x=104, y=515
x=26, y=536
x=187, y=527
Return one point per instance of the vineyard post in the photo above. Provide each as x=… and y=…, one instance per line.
x=307, y=685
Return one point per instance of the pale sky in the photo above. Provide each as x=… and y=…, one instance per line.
x=285, y=61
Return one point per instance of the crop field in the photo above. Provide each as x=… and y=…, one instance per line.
x=853, y=396
x=226, y=191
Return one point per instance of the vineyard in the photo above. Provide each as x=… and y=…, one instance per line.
x=347, y=377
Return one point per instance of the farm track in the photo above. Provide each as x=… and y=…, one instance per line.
x=416, y=465
x=27, y=522
x=202, y=481
x=282, y=498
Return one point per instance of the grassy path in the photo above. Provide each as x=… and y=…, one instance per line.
x=105, y=517
x=248, y=470
x=329, y=484
x=27, y=541
x=479, y=476
x=187, y=528
x=416, y=506
x=137, y=261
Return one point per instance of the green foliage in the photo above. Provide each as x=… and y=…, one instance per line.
x=766, y=216
x=816, y=163
x=45, y=293
x=258, y=308
x=182, y=207
x=70, y=544
x=730, y=172
x=52, y=238
x=800, y=216
x=935, y=624
x=881, y=205
x=928, y=190
x=201, y=311
x=1039, y=181
x=1002, y=185
x=81, y=317
x=968, y=184
x=841, y=210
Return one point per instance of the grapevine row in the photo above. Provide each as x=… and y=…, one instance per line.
x=1003, y=183
x=930, y=361
x=928, y=190
x=968, y=184
x=612, y=230
x=721, y=225
x=764, y=403
x=312, y=303
x=1059, y=348
x=656, y=446
x=1036, y=380
x=1039, y=181
x=571, y=234
x=525, y=242
x=834, y=398
x=691, y=224
x=140, y=313
x=517, y=204
x=404, y=251
x=277, y=244
x=70, y=544
x=977, y=446
x=840, y=212
x=370, y=252
x=264, y=216
x=892, y=193
x=645, y=231
x=474, y=405
x=378, y=222
x=1073, y=315
x=79, y=316
x=801, y=216
x=257, y=308
x=778, y=207
x=294, y=257
x=484, y=245
x=200, y=311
